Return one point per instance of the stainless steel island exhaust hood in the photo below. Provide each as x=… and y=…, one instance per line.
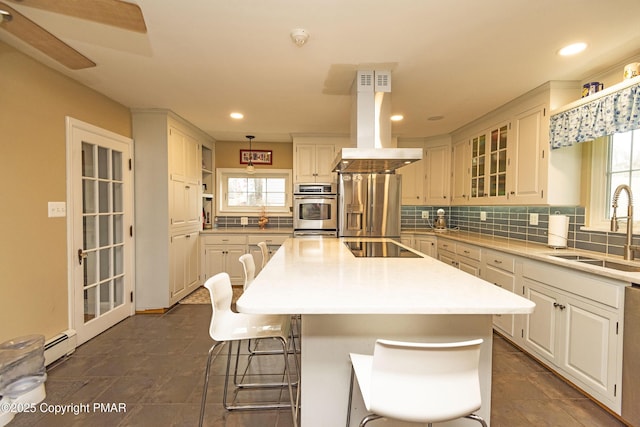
x=376, y=151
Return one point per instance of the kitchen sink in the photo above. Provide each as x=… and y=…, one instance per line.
x=620, y=266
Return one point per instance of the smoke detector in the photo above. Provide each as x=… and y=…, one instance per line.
x=299, y=36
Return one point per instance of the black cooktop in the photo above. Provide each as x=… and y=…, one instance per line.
x=376, y=249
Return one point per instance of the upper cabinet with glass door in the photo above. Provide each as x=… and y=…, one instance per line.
x=504, y=157
x=489, y=165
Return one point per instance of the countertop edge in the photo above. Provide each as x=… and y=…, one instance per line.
x=540, y=252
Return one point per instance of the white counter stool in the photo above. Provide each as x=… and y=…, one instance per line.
x=418, y=382
x=265, y=253
x=228, y=326
x=249, y=266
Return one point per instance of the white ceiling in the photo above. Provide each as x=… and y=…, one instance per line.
x=459, y=59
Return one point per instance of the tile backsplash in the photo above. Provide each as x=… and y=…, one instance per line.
x=275, y=222
x=512, y=222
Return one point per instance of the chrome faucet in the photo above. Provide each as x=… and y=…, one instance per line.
x=628, y=247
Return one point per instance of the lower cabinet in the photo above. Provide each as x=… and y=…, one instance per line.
x=499, y=269
x=184, y=256
x=577, y=334
x=460, y=255
x=221, y=254
x=426, y=245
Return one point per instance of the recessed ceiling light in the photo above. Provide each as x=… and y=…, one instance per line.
x=397, y=117
x=236, y=115
x=572, y=49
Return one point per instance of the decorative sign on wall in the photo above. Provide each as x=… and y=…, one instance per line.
x=257, y=157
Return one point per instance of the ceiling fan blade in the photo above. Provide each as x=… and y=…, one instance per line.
x=33, y=34
x=116, y=13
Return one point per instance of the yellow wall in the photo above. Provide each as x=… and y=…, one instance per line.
x=34, y=101
x=227, y=154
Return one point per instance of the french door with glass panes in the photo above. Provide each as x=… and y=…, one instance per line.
x=100, y=217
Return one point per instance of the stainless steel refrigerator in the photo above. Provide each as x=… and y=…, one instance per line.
x=369, y=205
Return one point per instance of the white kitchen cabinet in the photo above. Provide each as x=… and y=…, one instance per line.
x=426, y=245
x=499, y=269
x=460, y=255
x=413, y=177
x=528, y=154
x=461, y=165
x=184, y=274
x=273, y=241
x=576, y=327
x=437, y=165
x=168, y=205
x=407, y=239
x=185, y=179
x=313, y=162
x=222, y=254
x=530, y=173
x=489, y=165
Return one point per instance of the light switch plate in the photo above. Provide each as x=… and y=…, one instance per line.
x=57, y=209
x=425, y=214
x=483, y=216
x=244, y=220
x=533, y=219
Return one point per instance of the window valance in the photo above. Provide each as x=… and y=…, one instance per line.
x=618, y=111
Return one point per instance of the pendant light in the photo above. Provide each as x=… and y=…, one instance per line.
x=250, y=168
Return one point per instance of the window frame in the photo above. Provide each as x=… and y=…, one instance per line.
x=598, y=197
x=222, y=176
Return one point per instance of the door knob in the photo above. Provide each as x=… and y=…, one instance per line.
x=81, y=255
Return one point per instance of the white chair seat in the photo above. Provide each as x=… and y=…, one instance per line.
x=418, y=382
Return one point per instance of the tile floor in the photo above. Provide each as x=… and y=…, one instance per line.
x=154, y=364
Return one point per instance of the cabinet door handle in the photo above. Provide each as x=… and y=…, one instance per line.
x=466, y=252
x=497, y=261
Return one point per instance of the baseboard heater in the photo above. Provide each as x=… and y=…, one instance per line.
x=59, y=346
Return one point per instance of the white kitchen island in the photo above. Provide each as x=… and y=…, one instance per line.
x=348, y=302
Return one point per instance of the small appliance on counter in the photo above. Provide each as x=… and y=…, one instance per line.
x=440, y=224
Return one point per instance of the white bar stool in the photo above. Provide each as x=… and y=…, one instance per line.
x=418, y=382
x=228, y=326
x=264, y=249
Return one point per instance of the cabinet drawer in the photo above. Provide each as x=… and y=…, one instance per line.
x=472, y=252
x=500, y=278
x=446, y=245
x=233, y=239
x=500, y=260
x=271, y=239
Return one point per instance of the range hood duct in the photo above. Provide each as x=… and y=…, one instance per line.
x=376, y=151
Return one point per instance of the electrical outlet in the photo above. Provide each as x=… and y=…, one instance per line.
x=533, y=219
x=244, y=220
x=57, y=209
x=425, y=214
x=483, y=216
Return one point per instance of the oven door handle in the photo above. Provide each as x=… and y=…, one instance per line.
x=315, y=197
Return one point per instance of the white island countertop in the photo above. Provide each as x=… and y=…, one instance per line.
x=322, y=276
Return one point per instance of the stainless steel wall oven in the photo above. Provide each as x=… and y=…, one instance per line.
x=315, y=209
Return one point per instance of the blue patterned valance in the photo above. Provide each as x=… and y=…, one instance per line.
x=616, y=112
